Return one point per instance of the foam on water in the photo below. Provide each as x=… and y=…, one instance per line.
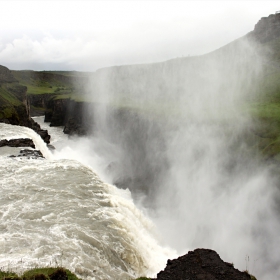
x=59, y=212
x=14, y=132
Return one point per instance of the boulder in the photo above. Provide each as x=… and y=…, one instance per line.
x=34, y=154
x=201, y=264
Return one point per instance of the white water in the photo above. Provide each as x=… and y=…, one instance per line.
x=187, y=152
x=204, y=186
x=9, y=132
x=59, y=212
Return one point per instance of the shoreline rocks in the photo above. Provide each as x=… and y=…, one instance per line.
x=21, y=142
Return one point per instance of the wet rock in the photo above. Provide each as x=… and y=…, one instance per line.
x=21, y=142
x=201, y=264
x=34, y=154
x=51, y=147
x=76, y=117
x=37, y=128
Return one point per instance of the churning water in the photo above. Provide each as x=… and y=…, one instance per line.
x=59, y=212
x=187, y=153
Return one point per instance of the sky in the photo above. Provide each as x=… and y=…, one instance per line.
x=88, y=35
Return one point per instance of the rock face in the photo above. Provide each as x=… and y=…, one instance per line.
x=79, y=118
x=76, y=117
x=20, y=117
x=201, y=264
x=38, y=101
x=5, y=75
x=31, y=154
x=57, y=112
x=268, y=28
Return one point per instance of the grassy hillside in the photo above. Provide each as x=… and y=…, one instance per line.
x=265, y=109
x=40, y=273
x=7, y=97
x=52, y=82
x=13, y=107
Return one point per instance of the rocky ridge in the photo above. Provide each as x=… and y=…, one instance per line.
x=201, y=264
x=267, y=28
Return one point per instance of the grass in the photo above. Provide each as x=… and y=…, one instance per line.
x=265, y=110
x=33, y=89
x=45, y=82
x=40, y=274
x=47, y=273
x=7, y=275
x=8, y=98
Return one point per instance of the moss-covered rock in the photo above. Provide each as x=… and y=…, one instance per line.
x=49, y=273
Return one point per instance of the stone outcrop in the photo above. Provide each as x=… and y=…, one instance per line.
x=79, y=118
x=31, y=154
x=267, y=29
x=6, y=75
x=20, y=117
x=76, y=117
x=201, y=264
x=38, y=101
x=21, y=142
x=56, y=112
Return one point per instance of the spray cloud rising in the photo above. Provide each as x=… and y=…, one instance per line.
x=177, y=135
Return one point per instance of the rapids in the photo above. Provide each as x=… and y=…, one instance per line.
x=59, y=212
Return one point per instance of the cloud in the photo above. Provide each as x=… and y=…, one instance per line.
x=86, y=35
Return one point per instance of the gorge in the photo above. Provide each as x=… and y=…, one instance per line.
x=192, y=142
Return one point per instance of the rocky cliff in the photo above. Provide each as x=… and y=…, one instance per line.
x=14, y=105
x=267, y=28
x=76, y=117
x=6, y=75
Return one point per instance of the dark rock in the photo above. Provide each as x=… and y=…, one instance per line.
x=40, y=277
x=21, y=142
x=44, y=135
x=267, y=29
x=58, y=113
x=6, y=75
x=37, y=128
x=201, y=264
x=38, y=103
x=75, y=126
x=59, y=274
x=76, y=117
x=51, y=147
x=34, y=154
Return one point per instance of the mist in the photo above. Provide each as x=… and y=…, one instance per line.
x=177, y=135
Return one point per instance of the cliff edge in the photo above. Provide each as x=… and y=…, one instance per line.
x=14, y=106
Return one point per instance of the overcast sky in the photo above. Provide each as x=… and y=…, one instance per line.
x=87, y=35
